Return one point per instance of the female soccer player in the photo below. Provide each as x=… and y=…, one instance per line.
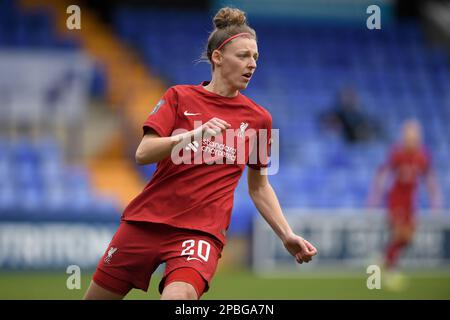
x=407, y=162
x=182, y=215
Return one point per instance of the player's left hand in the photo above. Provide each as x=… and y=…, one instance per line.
x=301, y=249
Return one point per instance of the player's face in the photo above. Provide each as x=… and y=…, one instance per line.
x=412, y=135
x=239, y=62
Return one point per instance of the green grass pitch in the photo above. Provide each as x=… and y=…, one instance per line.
x=242, y=285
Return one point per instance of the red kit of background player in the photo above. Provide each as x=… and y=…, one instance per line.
x=408, y=161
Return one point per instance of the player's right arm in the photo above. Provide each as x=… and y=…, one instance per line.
x=377, y=190
x=154, y=148
x=381, y=177
x=158, y=140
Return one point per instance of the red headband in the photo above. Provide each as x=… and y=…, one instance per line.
x=231, y=38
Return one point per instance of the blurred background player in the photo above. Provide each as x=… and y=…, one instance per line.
x=408, y=161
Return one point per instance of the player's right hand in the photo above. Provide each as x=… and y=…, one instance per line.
x=214, y=127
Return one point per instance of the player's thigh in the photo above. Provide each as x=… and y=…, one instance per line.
x=179, y=290
x=183, y=283
x=96, y=292
x=130, y=259
x=395, y=228
x=196, y=254
x=402, y=227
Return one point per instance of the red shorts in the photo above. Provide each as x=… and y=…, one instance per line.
x=401, y=209
x=403, y=215
x=138, y=248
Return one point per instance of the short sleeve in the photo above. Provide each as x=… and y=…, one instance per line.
x=264, y=144
x=162, y=118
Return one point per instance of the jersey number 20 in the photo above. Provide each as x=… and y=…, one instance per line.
x=203, y=249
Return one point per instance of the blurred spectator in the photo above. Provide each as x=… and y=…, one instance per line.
x=349, y=119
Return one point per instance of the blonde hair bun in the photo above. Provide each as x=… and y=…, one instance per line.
x=227, y=17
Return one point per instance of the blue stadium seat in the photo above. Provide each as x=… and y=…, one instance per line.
x=35, y=183
x=34, y=177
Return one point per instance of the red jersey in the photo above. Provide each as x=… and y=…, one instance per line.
x=199, y=195
x=408, y=166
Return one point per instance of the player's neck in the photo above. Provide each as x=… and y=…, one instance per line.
x=220, y=87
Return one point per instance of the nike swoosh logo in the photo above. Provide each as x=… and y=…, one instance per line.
x=192, y=258
x=191, y=114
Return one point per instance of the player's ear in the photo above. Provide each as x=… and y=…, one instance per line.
x=217, y=57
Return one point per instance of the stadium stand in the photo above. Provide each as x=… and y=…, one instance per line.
x=30, y=29
x=318, y=170
x=37, y=184
x=36, y=180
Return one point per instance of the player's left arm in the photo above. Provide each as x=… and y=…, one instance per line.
x=267, y=203
x=434, y=192
x=431, y=182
